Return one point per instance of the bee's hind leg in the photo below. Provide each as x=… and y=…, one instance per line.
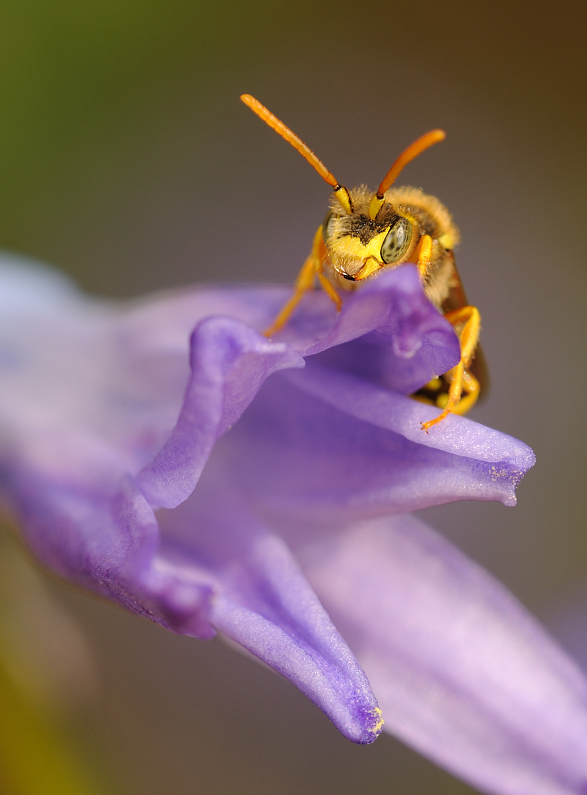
x=461, y=379
x=312, y=268
x=471, y=388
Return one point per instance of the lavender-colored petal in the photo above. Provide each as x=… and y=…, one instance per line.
x=164, y=321
x=122, y=374
x=209, y=564
x=263, y=602
x=229, y=362
x=83, y=516
x=230, y=573
x=355, y=449
x=463, y=673
x=78, y=509
x=102, y=421
x=387, y=332
x=402, y=335
x=87, y=392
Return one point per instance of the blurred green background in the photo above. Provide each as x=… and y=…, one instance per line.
x=127, y=160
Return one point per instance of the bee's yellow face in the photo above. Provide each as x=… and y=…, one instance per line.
x=349, y=254
x=358, y=245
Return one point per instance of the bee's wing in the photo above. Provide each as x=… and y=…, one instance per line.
x=456, y=299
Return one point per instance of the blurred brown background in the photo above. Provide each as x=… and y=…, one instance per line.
x=127, y=160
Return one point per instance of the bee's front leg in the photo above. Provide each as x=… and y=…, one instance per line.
x=423, y=254
x=312, y=268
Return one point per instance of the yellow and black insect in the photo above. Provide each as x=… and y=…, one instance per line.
x=364, y=233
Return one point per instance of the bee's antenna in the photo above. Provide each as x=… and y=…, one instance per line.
x=280, y=128
x=415, y=149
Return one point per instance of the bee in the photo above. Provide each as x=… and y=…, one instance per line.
x=364, y=233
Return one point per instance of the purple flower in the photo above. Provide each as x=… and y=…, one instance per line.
x=168, y=456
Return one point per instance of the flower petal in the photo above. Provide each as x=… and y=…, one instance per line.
x=463, y=672
x=263, y=602
x=68, y=490
x=83, y=516
x=355, y=450
x=93, y=394
x=387, y=332
x=503, y=457
x=229, y=363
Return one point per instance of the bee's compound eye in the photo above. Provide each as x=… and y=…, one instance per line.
x=327, y=226
x=397, y=241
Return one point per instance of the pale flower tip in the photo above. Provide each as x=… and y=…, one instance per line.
x=368, y=727
x=378, y=727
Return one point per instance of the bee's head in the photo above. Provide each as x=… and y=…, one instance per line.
x=361, y=230
x=355, y=240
